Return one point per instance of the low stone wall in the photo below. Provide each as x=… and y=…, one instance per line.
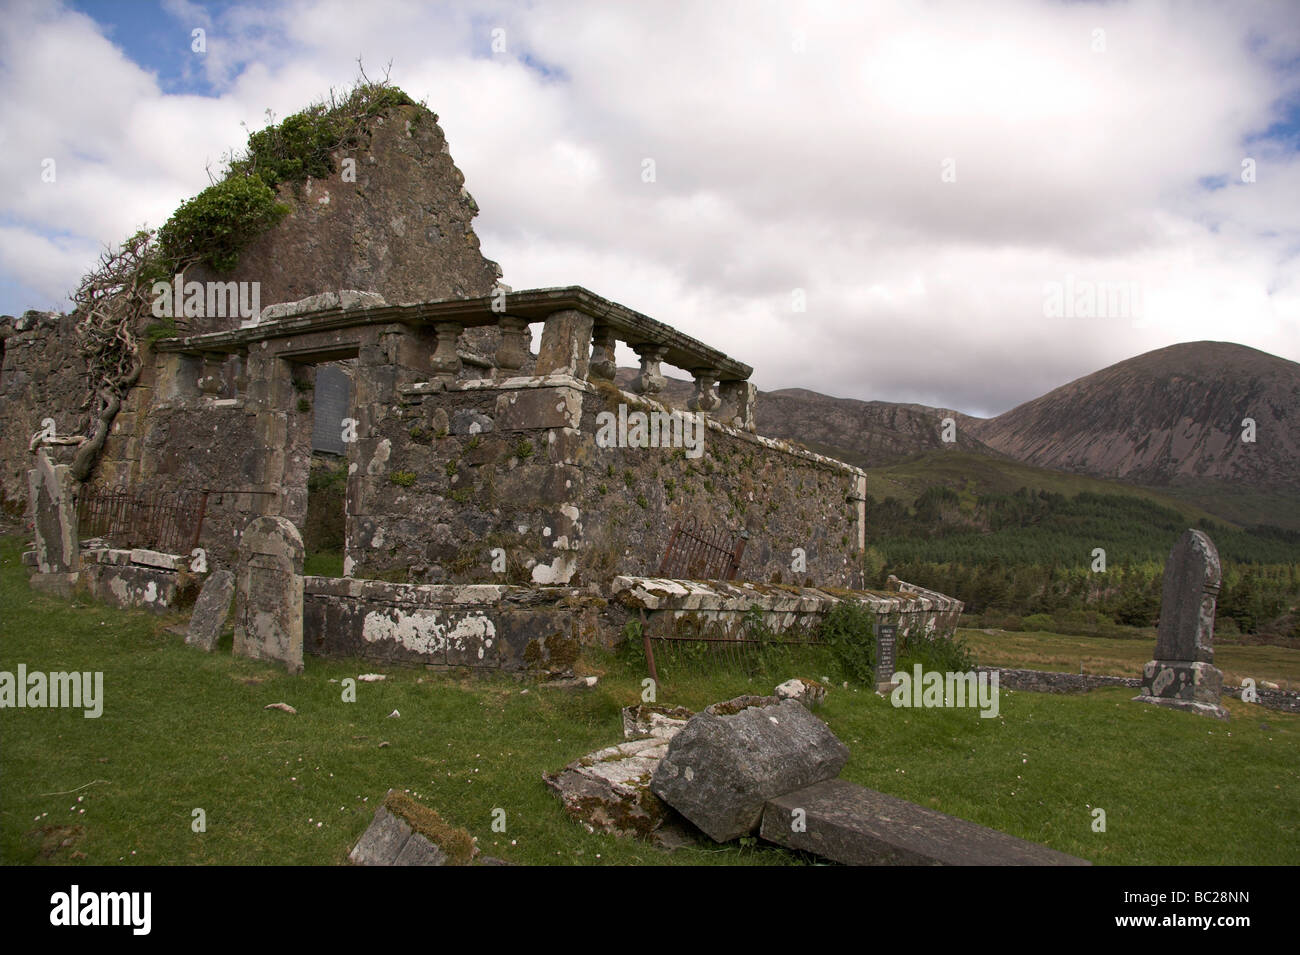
x=138, y=578
x=719, y=609
x=1044, y=681
x=482, y=626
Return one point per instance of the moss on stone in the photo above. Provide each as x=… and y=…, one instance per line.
x=455, y=842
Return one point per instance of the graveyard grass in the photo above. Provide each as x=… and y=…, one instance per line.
x=182, y=730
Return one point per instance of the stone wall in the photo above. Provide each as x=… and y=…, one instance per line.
x=477, y=626
x=464, y=474
x=42, y=375
x=1043, y=681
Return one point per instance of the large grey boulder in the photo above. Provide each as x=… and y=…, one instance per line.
x=729, y=760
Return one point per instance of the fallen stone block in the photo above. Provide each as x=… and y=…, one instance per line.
x=609, y=790
x=152, y=558
x=846, y=823
x=404, y=832
x=808, y=692
x=728, y=761
x=649, y=719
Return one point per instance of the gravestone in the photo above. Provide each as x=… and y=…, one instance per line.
x=211, y=610
x=1183, y=674
x=268, y=605
x=54, y=516
x=886, y=641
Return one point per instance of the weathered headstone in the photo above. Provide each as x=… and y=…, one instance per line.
x=54, y=516
x=1183, y=674
x=886, y=641
x=211, y=610
x=268, y=606
x=729, y=760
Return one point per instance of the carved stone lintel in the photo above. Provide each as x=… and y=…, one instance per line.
x=704, y=398
x=651, y=380
x=738, y=402
x=602, y=365
x=446, y=361
x=514, y=343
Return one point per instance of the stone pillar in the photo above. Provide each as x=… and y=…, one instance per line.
x=514, y=343
x=54, y=515
x=603, y=365
x=1183, y=674
x=177, y=377
x=446, y=360
x=210, y=380
x=651, y=380
x=739, y=399
x=565, y=347
x=704, y=398
x=269, y=601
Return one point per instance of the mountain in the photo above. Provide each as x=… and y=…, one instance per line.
x=866, y=433
x=1170, y=417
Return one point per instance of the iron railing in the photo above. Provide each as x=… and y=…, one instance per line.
x=167, y=521
x=698, y=552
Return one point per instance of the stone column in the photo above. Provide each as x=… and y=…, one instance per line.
x=177, y=377
x=446, y=361
x=651, y=380
x=738, y=401
x=515, y=337
x=565, y=347
x=704, y=398
x=603, y=365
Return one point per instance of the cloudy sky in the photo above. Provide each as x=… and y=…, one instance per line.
x=874, y=200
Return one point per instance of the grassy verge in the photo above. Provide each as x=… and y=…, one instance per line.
x=1120, y=657
x=184, y=730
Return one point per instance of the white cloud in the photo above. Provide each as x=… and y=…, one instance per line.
x=776, y=169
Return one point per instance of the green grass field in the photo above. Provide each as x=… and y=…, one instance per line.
x=184, y=730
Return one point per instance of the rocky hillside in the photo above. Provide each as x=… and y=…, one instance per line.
x=1169, y=417
x=865, y=433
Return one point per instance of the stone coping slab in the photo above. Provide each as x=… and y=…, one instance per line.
x=853, y=825
x=658, y=593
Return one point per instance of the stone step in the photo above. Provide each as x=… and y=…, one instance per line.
x=852, y=825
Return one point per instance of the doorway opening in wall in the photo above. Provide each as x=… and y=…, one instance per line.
x=327, y=480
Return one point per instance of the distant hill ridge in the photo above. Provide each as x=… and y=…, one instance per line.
x=1169, y=418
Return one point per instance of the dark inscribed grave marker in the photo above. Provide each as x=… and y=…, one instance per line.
x=1183, y=674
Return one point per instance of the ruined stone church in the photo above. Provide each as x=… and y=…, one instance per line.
x=484, y=524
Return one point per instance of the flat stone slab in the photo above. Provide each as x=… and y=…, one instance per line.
x=728, y=761
x=852, y=825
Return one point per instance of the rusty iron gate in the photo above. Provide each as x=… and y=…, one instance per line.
x=170, y=521
x=696, y=551
x=699, y=552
